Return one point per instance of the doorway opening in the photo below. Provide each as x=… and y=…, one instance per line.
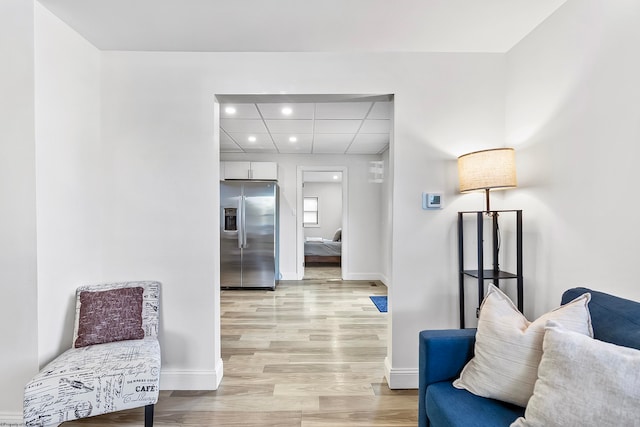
x=323, y=194
x=285, y=139
x=289, y=132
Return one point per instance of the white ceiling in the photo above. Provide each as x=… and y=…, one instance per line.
x=344, y=126
x=349, y=126
x=304, y=25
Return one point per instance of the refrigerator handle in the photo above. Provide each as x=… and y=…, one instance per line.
x=240, y=224
x=244, y=222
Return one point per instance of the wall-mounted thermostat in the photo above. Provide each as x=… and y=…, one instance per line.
x=431, y=200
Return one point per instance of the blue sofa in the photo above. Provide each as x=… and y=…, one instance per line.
x=443, y=354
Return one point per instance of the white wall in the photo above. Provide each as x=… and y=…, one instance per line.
x=159, y=166
x=362, y=252
x=573, y=103
x=161, y=203
x=443, y=112
x=18, y=304
x=69, y=162
x=572, y=109
x=329, y=196
x=386, y=218
x=157, y=123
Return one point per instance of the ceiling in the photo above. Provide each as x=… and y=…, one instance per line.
x=304, y=25
x=320, y=124
x=345, y=125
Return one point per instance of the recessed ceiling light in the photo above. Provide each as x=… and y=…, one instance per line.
x=252, y=139
x=287, y=111
x=230, y=110
x=335, y=176
x=293, y=139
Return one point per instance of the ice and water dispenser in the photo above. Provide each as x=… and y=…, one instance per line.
x=230, y=219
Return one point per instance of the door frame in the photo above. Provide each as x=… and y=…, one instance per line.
x=344, y=264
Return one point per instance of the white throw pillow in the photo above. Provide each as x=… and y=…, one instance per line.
x=584, y=382
x=508, y=347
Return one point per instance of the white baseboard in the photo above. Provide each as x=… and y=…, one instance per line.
x=400, y=379
x=363, y=276
x=350, y=276
x=354, y=276
x=288, y=276
x=11, y=419
x=176, y=379
x=384, y=279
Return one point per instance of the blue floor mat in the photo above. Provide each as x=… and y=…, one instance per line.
x=380, y=302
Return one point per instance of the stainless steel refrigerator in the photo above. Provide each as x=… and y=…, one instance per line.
x=248, y=234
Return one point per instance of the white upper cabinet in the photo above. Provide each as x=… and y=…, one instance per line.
x=249, y=170
x=236, y=170
x=264, y=170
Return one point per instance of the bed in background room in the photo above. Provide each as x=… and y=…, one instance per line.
x=319, y=250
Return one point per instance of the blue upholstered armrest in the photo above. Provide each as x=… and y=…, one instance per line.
x=443, y=354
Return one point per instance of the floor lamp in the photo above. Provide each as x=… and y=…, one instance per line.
x=487, y=170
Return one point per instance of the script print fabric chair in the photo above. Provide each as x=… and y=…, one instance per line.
x=114, y=363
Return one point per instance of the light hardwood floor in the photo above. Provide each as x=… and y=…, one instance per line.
x=310, y=354
x=322, y=272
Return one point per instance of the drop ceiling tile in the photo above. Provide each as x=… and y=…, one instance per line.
x=263, y=141
x=369, y=143
x=271, y=149
x=371, y=138
x=329, y=149
x=342, y=110
x=290, y=126
x=380, y=110
x=367, y=148
x=243, y=111
x=242, y=126
x=333, y=138
x=229, y=145
x=283, y=138
x=335, y=145
x=230, y=149
x=274, y=111
x=224, y=137
x=375, y=126
x=301, y=146
x=337, y=126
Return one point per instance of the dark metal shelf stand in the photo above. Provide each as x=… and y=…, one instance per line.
x=495, y=273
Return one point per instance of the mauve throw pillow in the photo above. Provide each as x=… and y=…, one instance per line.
x=107, y=316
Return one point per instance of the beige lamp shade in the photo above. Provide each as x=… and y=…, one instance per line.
x=487, y=169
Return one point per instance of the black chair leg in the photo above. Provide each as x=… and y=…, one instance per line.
x=148, y=416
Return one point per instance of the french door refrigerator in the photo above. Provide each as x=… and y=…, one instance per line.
x=248, y=234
